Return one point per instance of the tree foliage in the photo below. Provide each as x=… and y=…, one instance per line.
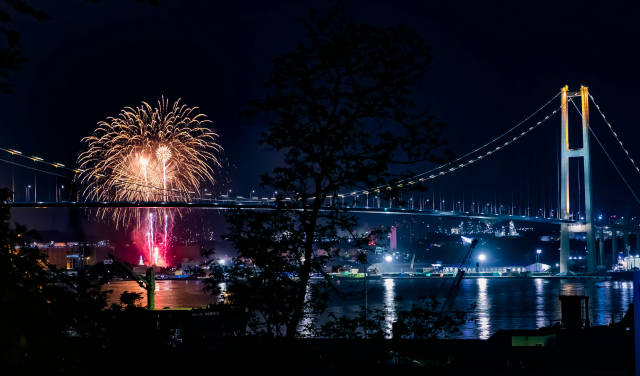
x=41, y=305
x=39, y=301
x=342, y=111
x=421, y=321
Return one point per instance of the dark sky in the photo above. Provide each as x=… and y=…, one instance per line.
x=495, y=63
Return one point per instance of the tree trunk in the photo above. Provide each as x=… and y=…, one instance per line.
x=305, y=270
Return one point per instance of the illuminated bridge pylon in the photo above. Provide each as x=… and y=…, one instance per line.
x=585, y=153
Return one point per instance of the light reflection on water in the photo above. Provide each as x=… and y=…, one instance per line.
x=172, y=294
x=507, y=303
x=484, y=325
x=389, y=302
x=501, y=303
x=541, y=317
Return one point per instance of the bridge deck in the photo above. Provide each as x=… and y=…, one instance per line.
x=250, y=206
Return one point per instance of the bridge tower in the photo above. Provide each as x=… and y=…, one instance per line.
x=585, y=153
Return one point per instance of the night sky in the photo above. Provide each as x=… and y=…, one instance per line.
x=495, y=64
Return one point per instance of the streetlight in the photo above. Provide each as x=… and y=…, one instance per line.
x=481, y=258
x=389, y=258
x=60, y=193
x=35, y=179
x=27, y=189
x=13, y=183
x=251, y=196
x=538, y=252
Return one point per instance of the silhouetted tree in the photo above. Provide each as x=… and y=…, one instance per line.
x=421, y=321
x=343, y=112
x=39, y=302
x=42, y=305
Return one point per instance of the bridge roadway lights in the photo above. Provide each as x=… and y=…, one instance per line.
x=226, y=205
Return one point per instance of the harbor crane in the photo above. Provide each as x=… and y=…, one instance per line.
x=455, y=287
x=148, y=282
x=412, y=260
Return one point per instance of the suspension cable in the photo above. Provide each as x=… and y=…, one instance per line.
x=362, y=191
x=490, y=142
x=119, y=181
x=418, y=177
x=607, y=154
x=36, y=169
x=615, y=134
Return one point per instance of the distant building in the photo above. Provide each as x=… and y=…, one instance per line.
x=77, y=255
x=393, y=245
x=192, y=252
x=501, y=268
x=631, y=263
x=188, y=265
x=538, y=267
x=452, y=268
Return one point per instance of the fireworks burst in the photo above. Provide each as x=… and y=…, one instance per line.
x=149, y=154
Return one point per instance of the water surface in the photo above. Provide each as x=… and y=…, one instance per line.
x=501, y=303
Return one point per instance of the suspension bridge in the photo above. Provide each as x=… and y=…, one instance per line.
x=368, y=200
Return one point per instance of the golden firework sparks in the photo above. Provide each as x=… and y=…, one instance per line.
x=149, y=154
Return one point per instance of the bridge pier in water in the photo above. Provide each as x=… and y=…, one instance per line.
x=614, y=246
x=625, y=236
x=601, y=261
x=585, y=154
